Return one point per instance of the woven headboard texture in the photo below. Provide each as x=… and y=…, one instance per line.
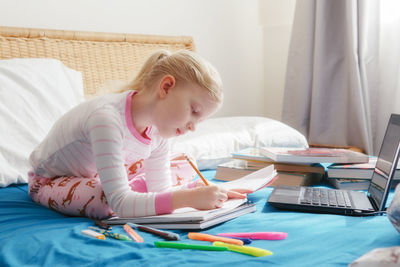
x=100, y=57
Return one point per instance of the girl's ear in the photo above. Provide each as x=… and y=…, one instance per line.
x=167, y=82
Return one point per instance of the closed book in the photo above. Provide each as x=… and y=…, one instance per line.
x=313, y=155
x=287, y=167
x=296, y=179
x=256, y=160
x=356, y=171
x=233, y=170
x=251, y=153
x=353, y=184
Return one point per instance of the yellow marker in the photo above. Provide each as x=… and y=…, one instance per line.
x=257, y=252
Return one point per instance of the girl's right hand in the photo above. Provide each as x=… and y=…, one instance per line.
x=202, y=198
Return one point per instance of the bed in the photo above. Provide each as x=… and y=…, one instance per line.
x=31, y=235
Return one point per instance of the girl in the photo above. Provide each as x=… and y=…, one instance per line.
x=110, y=155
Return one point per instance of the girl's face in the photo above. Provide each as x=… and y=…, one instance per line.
x=181, y=106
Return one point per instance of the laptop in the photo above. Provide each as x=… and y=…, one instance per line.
x=348, y=202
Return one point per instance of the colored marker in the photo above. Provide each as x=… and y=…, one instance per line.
x=111, y=234
x=257, y=252
x=212, y=238
x=135, y=236
x=257, y=235
x=164, y=234
x=246, y=241
x=92, y=233
x=161, y=244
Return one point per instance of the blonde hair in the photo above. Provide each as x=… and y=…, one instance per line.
x=183, y=65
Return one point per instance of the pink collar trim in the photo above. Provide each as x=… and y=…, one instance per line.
x=129, y=123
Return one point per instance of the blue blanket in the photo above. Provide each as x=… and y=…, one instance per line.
x=36, y=236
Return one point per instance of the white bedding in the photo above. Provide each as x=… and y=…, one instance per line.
x=34, y=94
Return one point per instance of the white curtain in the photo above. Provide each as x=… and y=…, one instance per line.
x=334, y=93
x=388, y=100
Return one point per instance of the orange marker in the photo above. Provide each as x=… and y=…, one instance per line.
x=133, y=234
x=197, y=171
x=212, y=238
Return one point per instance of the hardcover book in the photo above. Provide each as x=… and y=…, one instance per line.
x=313, y=155
x=255, y=159
x=296, y=179
x=354, y=184
x=252, y=153
x=237, y=168
x=356, y=171
x=234, y=169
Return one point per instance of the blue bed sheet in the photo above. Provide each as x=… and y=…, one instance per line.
x=31, y=235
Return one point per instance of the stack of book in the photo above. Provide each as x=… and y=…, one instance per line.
x=295, y=166
x=355, y=176
x=251, y=159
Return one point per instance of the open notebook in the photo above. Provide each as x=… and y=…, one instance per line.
x=189, y=218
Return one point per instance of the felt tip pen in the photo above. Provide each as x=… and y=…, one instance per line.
x=212, y=238
x=111, y=234
x=246, y=241
x=135, y=236
x=256, y=252
x=164, y=234
x=257, y=235
x=94, y=234
x=161, y=244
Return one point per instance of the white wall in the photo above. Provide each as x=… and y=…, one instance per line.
x=237, y=36
x=277, y=20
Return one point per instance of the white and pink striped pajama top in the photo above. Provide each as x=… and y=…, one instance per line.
x=98, y=137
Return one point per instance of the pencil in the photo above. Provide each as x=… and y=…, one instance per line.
x=197, y=171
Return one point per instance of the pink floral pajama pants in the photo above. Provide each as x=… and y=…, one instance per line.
x=82, y=196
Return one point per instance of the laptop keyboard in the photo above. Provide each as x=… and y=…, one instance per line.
x=325, y=197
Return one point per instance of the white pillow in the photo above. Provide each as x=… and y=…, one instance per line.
x=215, y=139
x=34, y=93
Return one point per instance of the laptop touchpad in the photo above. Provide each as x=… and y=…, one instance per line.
x=285, y=194
x=360, y=201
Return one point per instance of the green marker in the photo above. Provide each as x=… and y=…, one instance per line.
x=161, y=244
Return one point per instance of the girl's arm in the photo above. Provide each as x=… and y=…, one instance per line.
x=104, y=130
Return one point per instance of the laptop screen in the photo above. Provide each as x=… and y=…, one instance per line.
x=387, y=159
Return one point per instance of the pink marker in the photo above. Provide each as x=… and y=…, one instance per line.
x=257, y=235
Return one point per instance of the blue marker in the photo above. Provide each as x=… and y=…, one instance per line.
x=246, y=241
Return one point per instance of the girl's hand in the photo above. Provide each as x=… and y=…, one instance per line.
x=203, y=197
x=234, y=193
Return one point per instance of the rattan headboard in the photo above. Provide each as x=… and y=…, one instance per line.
x=99, y=56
